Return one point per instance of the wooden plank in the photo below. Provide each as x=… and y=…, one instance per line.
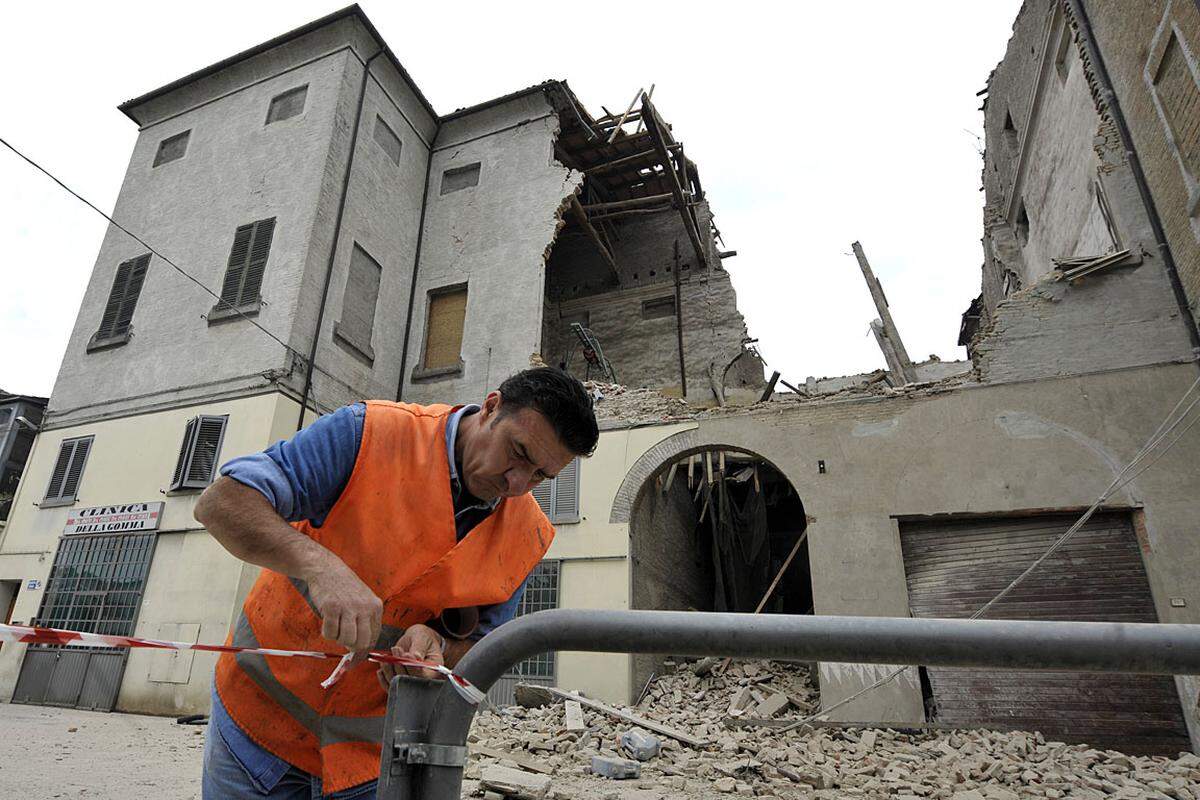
x=581, y=215
x=632, y=719
x=655, y=127
x=520, y=759
x=621, y=121
x=907, y=370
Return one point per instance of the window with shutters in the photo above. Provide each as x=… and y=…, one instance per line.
x=559, y=497
x=117, y=322
x=244, y=273
x=358, y=304
x=386, y=138
x=198, y=454
x=287, y=105
x=68, y=472
x=172, y=148
x=1176, y=92
x=447, y=314
x=459, y=178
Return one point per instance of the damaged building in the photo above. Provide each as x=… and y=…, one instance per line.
x=358, y=245
x=399, y=253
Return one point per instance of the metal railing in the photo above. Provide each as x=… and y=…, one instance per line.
x=424, y=747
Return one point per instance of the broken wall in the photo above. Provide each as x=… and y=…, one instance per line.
x=1149, y=49
x=1058, y=183
x=493, y=237
x=640, y=340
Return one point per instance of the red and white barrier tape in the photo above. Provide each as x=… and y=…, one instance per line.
x=35, y=635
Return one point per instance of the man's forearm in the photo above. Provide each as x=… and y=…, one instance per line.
x=246, y=525
x=456, y=649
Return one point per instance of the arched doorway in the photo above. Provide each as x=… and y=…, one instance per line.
x=717, y=528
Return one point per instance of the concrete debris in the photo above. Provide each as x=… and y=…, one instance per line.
x=514, y=783
x=819, y=764
x=573, y=712
x=639, y=745
x=616, y=768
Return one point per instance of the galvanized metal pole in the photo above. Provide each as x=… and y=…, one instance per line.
x=1002, y=644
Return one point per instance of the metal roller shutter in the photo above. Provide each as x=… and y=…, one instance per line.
x=954, y=567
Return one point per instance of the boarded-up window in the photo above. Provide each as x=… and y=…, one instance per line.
x=122, y=299
x=247, y=262
x=359, y=301
x=658, y=307
x=444, y=330
x=559, y=497
x=287, y=105
x=460, y=178
x=386, y=138
x=172, y=148
x=198, y=454
x=1179, y=101
x=68, y=471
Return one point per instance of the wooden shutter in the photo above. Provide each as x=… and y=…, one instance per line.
x=68, y=470
x=232, y=286
x=122, y=299
x=260, y=248
x=247, y=262
x=185, y=449
x=566, y=494
x=443, y=342
x=198, y=454
x=542, y=493
x=954, y=567
x=361, y=297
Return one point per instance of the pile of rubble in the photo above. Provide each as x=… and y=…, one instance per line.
x=583, y=749
x=617, y=402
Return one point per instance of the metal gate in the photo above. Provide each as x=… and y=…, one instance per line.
x=541, y=593
x=95, y=585
x=955, y=567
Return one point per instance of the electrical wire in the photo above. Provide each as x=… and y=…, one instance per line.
x=173, y=265
x=1172, y=421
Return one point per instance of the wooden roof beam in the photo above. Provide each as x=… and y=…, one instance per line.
x=656, y=128
x=593, y=234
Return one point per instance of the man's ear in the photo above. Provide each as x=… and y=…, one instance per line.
x=491, y=404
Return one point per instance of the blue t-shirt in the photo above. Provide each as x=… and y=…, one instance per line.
x=302, y=478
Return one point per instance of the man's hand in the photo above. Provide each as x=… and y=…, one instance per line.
x=351, y=614
x=420, y=643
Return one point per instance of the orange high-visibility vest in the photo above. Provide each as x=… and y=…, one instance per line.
x=394, y=526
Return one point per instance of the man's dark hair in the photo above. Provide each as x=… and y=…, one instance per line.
x=560, y=398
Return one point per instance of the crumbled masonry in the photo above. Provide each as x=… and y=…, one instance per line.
x=749, y=758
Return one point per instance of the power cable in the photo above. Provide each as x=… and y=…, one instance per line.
x=222, y=302
x=1123, y=478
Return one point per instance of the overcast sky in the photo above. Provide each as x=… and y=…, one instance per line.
x=812, y=125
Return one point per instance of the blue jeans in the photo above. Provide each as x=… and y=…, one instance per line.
x=226, y=778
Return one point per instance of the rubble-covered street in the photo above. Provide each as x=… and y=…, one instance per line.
x=756, y=760
x=99, y=755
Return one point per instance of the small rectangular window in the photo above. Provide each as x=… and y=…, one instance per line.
x=359, y=302
x=658, y=307
x=541, y=593
x=198, y=454
x=386, y=138
x=172, y=148
x=68, y=471
x=247, y=263
x=287, y=105
x=460, y=178
x=559, y=497
x=1178, y=97
x=444, y=328
x=117, y=320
